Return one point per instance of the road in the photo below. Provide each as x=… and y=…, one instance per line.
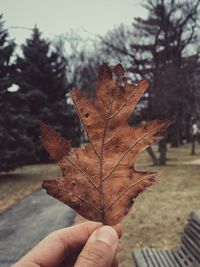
x=27, y=222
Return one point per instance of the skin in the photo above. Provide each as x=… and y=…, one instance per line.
x=88, y=244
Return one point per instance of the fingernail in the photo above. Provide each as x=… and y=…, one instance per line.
x=106, y=234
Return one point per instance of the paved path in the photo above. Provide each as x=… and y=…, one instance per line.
x=27, y=222
x=194, y=162
x=191, y=162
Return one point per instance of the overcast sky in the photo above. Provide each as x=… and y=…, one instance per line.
x=54, y=17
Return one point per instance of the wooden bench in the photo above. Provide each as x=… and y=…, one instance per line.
x=187, y=254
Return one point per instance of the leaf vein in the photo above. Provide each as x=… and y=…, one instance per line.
x=124, y=104
x=127, y=151
x=128, y=188
x=85, y=174
x=78, y=196
x=93, y=147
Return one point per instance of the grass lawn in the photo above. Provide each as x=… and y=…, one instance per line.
x=158, y=215
x=23, y=181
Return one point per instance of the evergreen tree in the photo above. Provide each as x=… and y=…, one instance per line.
x=14, y=144
x=43, y=84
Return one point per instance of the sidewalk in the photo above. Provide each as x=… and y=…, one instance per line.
x=27, y=222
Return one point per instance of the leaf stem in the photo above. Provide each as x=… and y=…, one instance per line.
x=101, y=156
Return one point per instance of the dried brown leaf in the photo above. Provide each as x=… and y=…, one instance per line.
x=99, y=180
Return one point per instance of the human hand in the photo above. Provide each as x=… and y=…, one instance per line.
x=84, y=245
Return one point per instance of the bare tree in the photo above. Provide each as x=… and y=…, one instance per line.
x=157, y=48
x=83, y=61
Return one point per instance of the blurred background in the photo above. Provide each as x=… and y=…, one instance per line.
x=49, y=47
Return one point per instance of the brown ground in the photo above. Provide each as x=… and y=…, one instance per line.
x=158, y=215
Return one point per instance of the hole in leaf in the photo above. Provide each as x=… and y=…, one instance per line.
x=87, y=115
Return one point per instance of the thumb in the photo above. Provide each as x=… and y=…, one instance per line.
x=100, y=249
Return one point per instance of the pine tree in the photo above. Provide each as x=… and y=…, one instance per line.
x=14, y=144
x=43, y=84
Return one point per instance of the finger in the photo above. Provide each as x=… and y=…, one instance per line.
x=115, y=262
x=118, y=229
x=52, y=250
x=70, y=261
x=74, y=252
x=100, y=249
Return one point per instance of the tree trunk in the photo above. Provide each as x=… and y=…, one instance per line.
x=181, y=134
x=175, y=138
x=188, y=130
x=193, y=139
x=163, y=152
x=152, y=155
